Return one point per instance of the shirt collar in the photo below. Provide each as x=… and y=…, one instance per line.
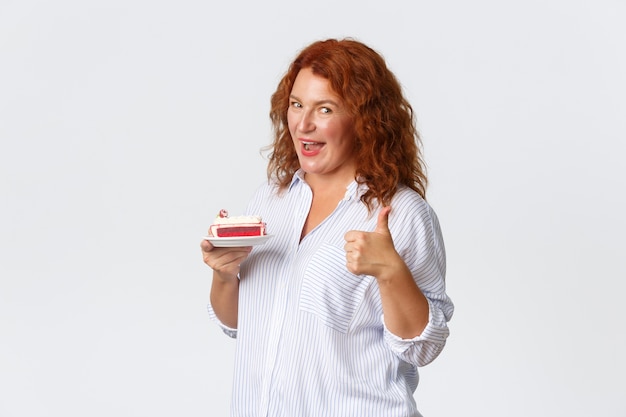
x=354, y=190
x=297, y=177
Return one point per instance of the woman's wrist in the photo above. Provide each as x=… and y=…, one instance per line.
x=392, y=270
x=226, y=278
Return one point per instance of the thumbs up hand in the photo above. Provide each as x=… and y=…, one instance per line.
x=372, y=253
x=382, y=226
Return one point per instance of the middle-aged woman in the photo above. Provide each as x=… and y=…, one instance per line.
x=335, y=313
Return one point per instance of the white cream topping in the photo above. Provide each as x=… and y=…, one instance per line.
x=237, y=220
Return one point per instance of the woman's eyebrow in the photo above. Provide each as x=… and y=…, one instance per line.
x=318, y=102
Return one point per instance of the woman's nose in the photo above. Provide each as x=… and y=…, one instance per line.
x=306, y=123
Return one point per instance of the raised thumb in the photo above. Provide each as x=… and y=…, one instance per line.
x=382, y=225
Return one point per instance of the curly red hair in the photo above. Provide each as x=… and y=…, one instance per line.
x=388, y=145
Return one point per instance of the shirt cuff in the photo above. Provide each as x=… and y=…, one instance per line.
x=398, y=344
x=229, y=331
x=432, y=338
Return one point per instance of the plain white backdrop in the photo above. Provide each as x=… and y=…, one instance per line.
x=126, y=125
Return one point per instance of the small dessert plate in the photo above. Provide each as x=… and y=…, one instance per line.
x=235, y=242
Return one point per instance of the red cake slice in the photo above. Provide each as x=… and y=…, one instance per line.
x=237, y=226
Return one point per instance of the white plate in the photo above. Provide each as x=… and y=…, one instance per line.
x=235, y=242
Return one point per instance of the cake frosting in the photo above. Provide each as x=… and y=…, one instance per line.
x=236, y=226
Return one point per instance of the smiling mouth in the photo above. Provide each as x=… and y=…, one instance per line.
x=310, y=145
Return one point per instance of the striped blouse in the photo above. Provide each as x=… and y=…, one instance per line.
x=311, y=339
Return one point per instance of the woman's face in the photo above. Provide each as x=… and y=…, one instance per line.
x=321, y=129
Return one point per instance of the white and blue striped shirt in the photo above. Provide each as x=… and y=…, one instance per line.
x=311, y=339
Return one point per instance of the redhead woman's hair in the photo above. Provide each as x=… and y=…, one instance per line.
x=388, y=146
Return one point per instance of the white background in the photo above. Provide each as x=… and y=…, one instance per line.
x=126, y=125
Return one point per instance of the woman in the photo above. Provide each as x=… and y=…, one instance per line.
x=334, y=314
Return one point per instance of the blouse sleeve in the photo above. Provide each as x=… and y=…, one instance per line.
x=418, y=239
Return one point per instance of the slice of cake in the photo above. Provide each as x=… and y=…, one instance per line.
x=236, y=226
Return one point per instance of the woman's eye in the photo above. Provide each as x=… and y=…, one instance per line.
x=296, y=104
x=325, y=110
